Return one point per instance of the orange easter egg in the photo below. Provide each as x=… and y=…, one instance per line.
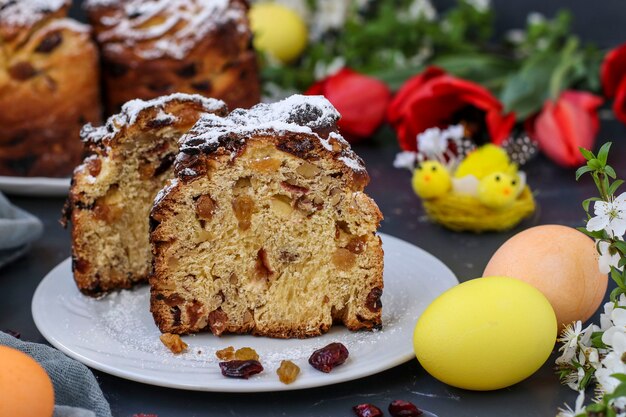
x=559, y=261
x=25, y=387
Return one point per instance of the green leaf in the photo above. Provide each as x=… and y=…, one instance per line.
x=595, y=164
x=619, y=245
x=622, y=262
x=615, y=186
x=596, y=340
x=610, y=171
x=603, y=153
x=588, y=201
x=620, y=377
x=616, y=276
x=586, y=153
x=582, y=170
x=568, y=60
x=615, y=294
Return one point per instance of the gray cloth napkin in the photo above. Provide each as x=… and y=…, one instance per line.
x=76, y=391
x=17, y=229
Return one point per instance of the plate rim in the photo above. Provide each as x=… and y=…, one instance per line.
x=35, y=186
x=133, y=376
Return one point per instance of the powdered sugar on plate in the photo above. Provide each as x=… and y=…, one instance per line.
x=117, y=334
x=164, y=27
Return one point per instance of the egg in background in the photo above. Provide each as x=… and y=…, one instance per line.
x=278, y=30
x=559, y=261
x=486, y=334
x=25, y=387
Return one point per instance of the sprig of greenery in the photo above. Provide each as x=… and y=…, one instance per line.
x=605, y=179
x=604, y=406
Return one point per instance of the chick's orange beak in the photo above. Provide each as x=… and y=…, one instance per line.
x=506, y=191
x=426, y=178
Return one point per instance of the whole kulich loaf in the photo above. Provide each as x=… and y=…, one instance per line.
x=49, y=88
x=113, y=190
x=265, y=228
x=156, y=47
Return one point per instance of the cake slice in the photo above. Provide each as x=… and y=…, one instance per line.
x=113, y=190
x=265, y=228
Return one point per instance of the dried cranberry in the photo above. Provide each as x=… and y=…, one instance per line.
x=241, y=369
x=400, y=408
x=367, y=410
x=326, y=358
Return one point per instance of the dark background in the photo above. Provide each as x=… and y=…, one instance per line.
x=558, y=197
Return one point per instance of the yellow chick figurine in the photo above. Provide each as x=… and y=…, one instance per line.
x=278, y=30
x=484, y=161
x=431, y=180
x=498, y=190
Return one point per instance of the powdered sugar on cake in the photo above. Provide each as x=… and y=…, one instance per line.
x=27, y=12
x=131, y=110
x=181, y=24
x=308, y=115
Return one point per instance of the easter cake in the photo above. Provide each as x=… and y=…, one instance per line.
x=157, y=47
x=49, y=88
x=113, y=190
x=265, y=228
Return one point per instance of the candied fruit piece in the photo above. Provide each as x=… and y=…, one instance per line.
x=246, y=354
x=288, y=372
x=240, y=369
x=328, y=357
x=343, y=259
x=173, y=342
x=205, y=207
x=400, y=408
x=226, y=354
x=243, y=207
x=367, y=410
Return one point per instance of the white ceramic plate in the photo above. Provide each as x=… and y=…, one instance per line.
x=35, y=186
x=117, y=334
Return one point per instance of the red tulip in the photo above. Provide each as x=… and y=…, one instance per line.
x=567, y=124
x=613, y=77
x=361, y=100
x=435, y=98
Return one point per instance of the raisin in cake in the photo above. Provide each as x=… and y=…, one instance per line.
x=265, y=228
x=155, y=47
x=49, y=88
x=113, y=190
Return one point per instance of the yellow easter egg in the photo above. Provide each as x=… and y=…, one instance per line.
x=486, y=334
x=278, y=31
x=26, y=390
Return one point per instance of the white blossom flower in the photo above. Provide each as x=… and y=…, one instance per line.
x=605, y=318
x=323, y=70
x=422, y=9
x=454, y=132
x=515, y=36
x=569, y=338
x=612, y=363
x=535, y=18
x=330, y=14
x=619, y=404
x=405, y=160
x=618, y=319
x=609, y=216
x=607, y=259
x=480, y=5
x=431, y=142
x=578, y=407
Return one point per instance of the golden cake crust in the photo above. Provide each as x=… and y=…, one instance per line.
x=239, y=178
x=49, y=88
x=113, y=190
x=165, y=46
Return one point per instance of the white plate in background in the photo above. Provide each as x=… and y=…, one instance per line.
x=35, y=186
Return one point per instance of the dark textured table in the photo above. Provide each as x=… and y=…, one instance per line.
x=559, y=198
